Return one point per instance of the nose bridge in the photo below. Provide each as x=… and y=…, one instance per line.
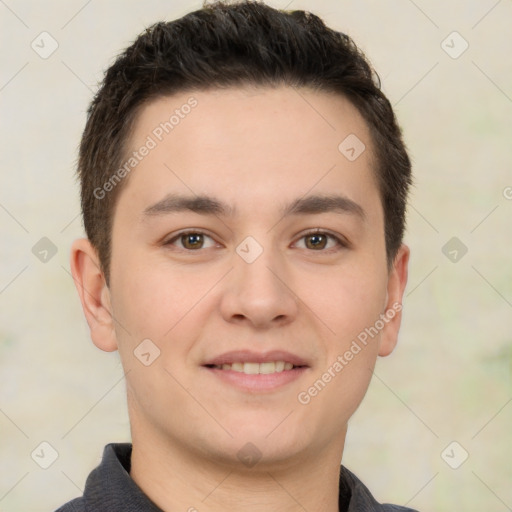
x=258, y=290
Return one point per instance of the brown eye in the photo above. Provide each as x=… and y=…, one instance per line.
x=316, y=241
x=192, y=240
x=322, y=241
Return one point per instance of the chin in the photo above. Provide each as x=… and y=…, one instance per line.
x=270, y=440
x=257, y=453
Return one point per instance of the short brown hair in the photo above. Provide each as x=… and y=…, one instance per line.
x=225, y=45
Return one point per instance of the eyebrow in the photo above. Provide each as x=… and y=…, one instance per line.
x=207, y=205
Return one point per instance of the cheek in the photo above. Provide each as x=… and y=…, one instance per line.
x=152, y=306
x=357, y=297
x=151, y=299
x=164, y=304
x=350, y=300
x=142, y=304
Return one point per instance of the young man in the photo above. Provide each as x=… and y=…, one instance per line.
x=244, y=185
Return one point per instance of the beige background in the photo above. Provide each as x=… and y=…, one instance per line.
x=450, y=377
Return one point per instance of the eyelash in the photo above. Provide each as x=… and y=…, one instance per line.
x=340, y=241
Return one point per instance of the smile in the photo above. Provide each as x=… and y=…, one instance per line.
x=256, y=368
x=257, y=372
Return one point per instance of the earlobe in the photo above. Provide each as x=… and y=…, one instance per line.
x=396, y=285
x=94, y=294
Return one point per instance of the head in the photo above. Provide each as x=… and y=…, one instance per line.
x=224, y=46
x=271, y=124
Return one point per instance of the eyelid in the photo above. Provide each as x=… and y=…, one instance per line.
x=341, y=240
x=187, y=231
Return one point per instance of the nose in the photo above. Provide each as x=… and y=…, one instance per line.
x=259, y=294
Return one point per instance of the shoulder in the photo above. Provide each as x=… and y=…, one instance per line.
x=76, y=505
x=387, y=507
x=98, y=482
x=361, y=498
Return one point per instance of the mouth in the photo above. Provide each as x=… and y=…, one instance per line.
x=251, y=368
x=253, y=372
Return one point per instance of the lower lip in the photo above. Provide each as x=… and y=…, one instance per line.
x=259, y=382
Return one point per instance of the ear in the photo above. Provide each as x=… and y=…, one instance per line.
x=94, y=294
x=396, y=285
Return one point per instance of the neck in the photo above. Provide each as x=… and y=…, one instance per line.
x=176, y=479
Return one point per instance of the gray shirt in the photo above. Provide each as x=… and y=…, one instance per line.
x=109, y=488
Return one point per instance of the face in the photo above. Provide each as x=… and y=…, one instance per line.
x=248, y=252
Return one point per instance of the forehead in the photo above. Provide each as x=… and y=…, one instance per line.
x=251, y=146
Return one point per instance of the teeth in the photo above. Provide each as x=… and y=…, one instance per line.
x=269, y=367
x=256, y=368
x=251, y=368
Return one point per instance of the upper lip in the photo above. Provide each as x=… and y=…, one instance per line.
x=249, y=356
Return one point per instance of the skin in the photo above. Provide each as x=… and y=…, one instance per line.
x=255, y=149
